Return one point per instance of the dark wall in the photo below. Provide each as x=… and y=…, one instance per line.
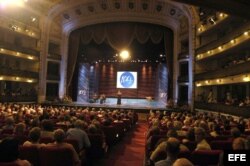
x=146, y=75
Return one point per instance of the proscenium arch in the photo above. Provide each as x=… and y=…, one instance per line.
x=65, y=46
x=107, y=17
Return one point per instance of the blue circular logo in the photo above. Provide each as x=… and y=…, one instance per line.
x=127, y=79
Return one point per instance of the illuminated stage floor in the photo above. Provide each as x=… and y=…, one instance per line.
x=142, y=104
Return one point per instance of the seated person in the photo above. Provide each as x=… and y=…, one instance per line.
x=172, y=134
x=9, y=153
x=170, y=103
x=59, y=136
x=79, y=134
x=200, y=135
x=47, y=126
x=182, y=162
x=95, y=97
x=239, y=144
x=34, y=138
x=172, y=149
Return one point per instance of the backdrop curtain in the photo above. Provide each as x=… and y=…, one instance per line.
x=74, y=41
x=119, y=36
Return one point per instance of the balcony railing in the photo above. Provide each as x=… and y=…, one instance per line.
x=20, y=98
x=219, y=42
x=183, y=55
x=183, y=79
x=222, y=108
x=225, y=72
x=54, y=56
x=19, y=73
x=53, y=77
x=13, y=47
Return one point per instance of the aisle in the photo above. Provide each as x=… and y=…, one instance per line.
x=130, y=151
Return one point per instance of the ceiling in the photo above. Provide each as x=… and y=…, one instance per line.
x=234, y=7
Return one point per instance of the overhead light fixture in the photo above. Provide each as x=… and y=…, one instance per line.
x=212, y=21
x=246, y=78
x=33, y=19
x=198, y=84
x=222, y=15
x=5, y=3
x=124, y=54
x=29, y=80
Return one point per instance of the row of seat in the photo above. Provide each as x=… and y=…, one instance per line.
x=46, y=156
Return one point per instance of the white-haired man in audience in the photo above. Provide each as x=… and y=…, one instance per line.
x=172, y=149
x=200, y=135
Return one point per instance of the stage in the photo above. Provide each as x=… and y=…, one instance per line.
x=141, y=105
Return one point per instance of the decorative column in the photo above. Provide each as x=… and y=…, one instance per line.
x=45, y=28
x=175, y=68
x=63, y=66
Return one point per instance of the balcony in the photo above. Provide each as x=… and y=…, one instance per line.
x=234, y=41
x=14, y=48
x=225, y=72
x=53, y=77
x=222, y=108
x=18, y=98
x=19, y=73
x=211, y=24
x=183, y=55
x=183, y=79
x=54, y=56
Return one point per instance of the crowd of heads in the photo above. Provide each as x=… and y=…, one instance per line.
x=183, y=127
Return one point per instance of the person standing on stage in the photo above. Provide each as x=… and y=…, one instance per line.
x=119, y=97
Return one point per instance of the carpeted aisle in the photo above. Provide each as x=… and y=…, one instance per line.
x=130, y=151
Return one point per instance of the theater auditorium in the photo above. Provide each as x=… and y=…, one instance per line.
x=124, y=82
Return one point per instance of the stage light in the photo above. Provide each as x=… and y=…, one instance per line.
x=12, y=2
x=124, y=54
x=246, y=78
x=29, y=80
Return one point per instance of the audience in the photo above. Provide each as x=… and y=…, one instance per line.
x=20, y=129
x=9, y=153
x=79, y=134
x=47, y=129
x=34, y=138
x=59, y=136
x=182, y=162
x=161, y=148
x=182, y=126
x=200, y=136
x=239, y=144
x=172, y=149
